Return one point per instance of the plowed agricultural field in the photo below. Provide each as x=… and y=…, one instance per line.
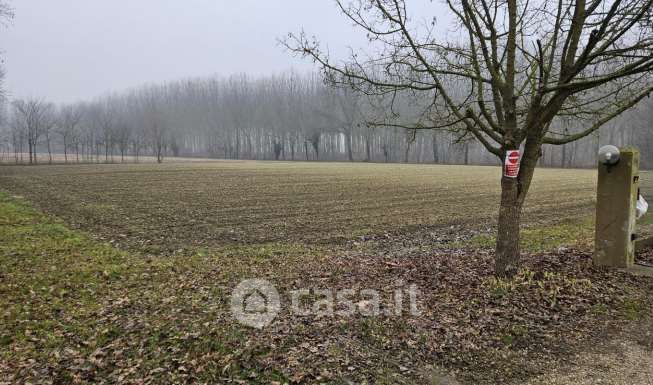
x=158, y=307
x=177, y=205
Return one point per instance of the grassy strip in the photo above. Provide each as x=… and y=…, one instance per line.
x=78, y=310
x=577, y=234
x=49, y=271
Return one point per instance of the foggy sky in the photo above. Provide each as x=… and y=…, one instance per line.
x=70, y=50
x=67, y=50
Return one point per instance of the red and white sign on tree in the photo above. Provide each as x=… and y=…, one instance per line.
x=511, y=164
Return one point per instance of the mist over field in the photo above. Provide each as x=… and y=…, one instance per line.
x=114, y=69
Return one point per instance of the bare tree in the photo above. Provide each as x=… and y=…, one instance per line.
x=6, y=15
x=525, y=64
x=18, y=136
x=49, y=123
x=345, y=110
x=34, y=117
x=155, y=125
x=68, y=120
x=288, y=116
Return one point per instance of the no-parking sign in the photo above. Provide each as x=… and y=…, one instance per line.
x=511, y=164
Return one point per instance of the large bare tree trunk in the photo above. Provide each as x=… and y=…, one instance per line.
x=507, y=248
x=513, y=194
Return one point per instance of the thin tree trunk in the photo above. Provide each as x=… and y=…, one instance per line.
x=367, y=149
x=407, y=152
x=350, y=154
x=47, y=138
x=436, y=155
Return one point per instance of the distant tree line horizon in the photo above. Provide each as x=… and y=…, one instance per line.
x=290, y=116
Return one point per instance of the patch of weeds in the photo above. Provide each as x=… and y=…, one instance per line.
x=512, y=335
x=633, y=309
x=646, y=219
x=599, y=309
x=500, y=287
x=336, y=351
x=481, y=241
x=546, y=285
x=5, y=340
x=542, y=239
x=15, y=212
x=520, y=330
x=112, y=273
x=507, y=339
x=107, y=335
x=263, y=252
x=257, y=259
x=372, y=331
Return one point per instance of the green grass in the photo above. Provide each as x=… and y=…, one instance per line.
x=546, y=238
x=633, y=309
x=51, y=280
x=73, y=307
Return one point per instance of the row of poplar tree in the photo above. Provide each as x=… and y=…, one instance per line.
x=284, y=117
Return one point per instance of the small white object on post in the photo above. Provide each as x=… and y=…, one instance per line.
x=642, y=207
x=609, y=155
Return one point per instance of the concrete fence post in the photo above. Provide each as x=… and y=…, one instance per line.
x=616, y=198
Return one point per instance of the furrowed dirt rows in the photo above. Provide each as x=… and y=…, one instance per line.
x=163, y=208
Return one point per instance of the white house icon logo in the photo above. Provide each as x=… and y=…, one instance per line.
x=255, y=303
